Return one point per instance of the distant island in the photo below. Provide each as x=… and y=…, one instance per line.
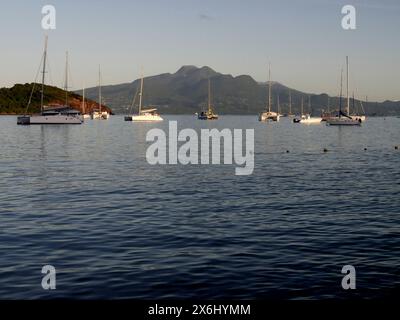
x=185, y=92
x=15, y=100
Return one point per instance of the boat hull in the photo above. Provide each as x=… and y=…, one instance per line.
x=268, y=116
x=144, y=118
x=311, y=121
x=54, y=119
x=343, y=122
x=213, y=117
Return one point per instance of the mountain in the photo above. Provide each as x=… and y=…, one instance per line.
x=14, y=100
x=185, y=92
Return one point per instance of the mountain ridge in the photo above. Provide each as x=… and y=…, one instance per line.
x=186, y=92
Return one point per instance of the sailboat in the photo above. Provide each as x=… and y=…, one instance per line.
x=145, y=115
x=64, y=115
x=356, y=115
x=297, y=119
x=344, y=118
x=278, y=105
x=325, y=115
x=290, y=104
x=209, y=114
x=84, y=114
x=269, y=115
x=99, y=114
x=307, y=119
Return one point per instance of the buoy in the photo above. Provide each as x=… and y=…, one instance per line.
x=287, y=151
x=396, y=147
x=365, y=149
x=325, y=150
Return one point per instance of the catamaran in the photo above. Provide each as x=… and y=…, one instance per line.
x=209, y=114
x=344, y=118
x=63, y=115
x=144, y=115
x=269, y=115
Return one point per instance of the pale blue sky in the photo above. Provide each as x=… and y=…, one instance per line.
x=303, y=40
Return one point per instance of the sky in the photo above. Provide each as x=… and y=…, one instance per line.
x=302, y=39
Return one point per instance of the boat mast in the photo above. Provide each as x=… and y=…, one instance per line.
x=83, y=101
x=99, y=89
x=43, y=74
x=302, y=104
x=348, y=97
x=329, y=104
x=269, y=87
x=309, y=103
x=66, y=79
x=278, y=103
x=209, y=97
x=141, y=94
x=341, y=93
x=290, y=102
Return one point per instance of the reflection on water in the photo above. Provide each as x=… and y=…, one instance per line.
x=84, y=199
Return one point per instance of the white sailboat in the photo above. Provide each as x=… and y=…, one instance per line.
x=209, y=114
x=144, y=115
x=297, y=119
x=99, y=114
x=84, y=114
x=307, y=119
x=290, y=104
x=269, y=115
x=344, y=119
x=358, y=116
x=64, y=115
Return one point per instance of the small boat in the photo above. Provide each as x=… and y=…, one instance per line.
x=307, y=119
x=344, y=119
x=64, y=115
x=209, y=114
x=144, y=115
x=105, y=115
x=269, y=115
x=96, y=114
x=99, y=114
x=84, y=114
x=266, y=116
x=290, y=114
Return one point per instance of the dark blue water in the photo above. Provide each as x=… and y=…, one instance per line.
x=84, y=199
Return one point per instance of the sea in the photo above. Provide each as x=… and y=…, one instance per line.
x=85, y=200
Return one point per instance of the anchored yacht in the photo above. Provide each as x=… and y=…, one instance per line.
x=144, y=115
x=64, y=115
